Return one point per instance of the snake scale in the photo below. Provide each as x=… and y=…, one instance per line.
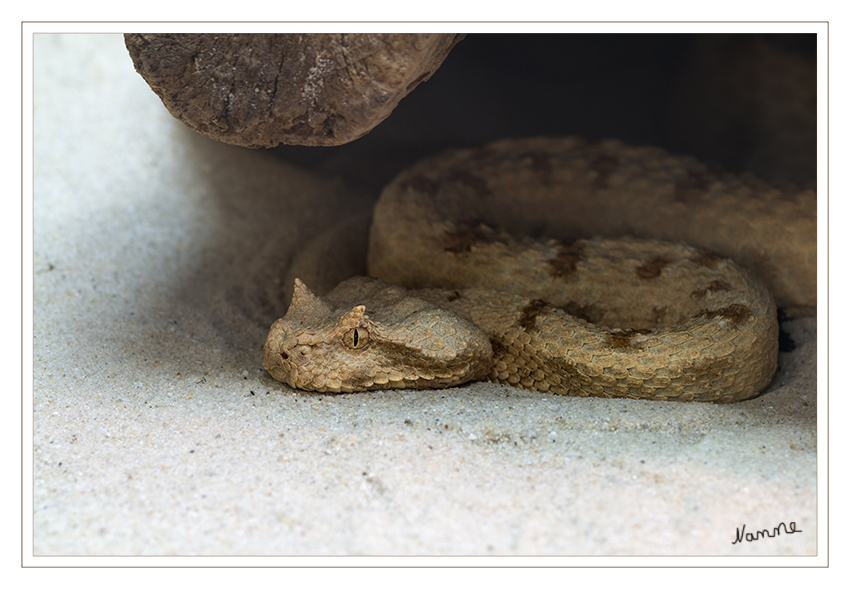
x=516, y=276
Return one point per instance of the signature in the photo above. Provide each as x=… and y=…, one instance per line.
x=741, y=534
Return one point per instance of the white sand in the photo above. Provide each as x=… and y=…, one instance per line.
x=159, y=264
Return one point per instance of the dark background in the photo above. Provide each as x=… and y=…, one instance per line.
x=746, y=102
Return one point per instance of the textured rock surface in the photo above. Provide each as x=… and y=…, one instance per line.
x=262, y=90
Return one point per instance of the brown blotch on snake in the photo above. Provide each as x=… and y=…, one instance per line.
x=466, y=235
x=706, y=258
x=653, y=268
x=590, y=312
x=736, y=314
x=567, y=259
x=623, y=339
x=528, y=316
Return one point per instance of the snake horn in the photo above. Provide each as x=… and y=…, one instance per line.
x=303, y=299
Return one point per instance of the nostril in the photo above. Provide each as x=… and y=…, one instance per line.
x=284, y=355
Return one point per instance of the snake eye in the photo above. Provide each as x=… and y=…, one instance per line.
x=356, y=339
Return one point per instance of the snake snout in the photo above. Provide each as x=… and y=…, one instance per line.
x=298, y=354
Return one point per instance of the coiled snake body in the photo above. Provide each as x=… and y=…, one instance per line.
x=546, y=306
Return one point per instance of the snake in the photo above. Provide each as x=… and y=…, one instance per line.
x=566, y=266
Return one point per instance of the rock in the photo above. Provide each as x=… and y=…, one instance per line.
x=262, y=90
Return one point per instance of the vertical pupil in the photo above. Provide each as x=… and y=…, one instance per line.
x=356, y=338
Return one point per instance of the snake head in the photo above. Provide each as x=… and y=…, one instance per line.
x=333, y=345
x=300, y=343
